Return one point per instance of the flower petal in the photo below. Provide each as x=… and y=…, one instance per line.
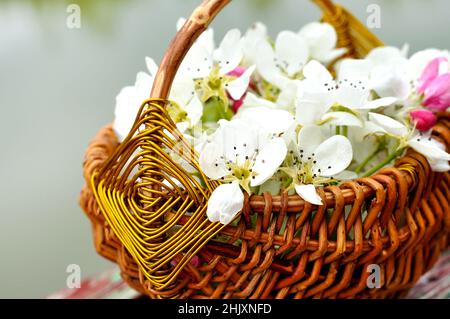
x=316, y=71
x=374, y=104
x=437, y=93
x=268, y=160
x=386, y=55
x=354, y=69
x=309, y=138
x=333, y=156
x=419, y=61
x=143, y=84
x=273, y=121
x=237, y=87
x=388, y=124
x=239, y=140
x=390, y=81
x=439, y=165
x=197, y=63
x=271, y=186
x=291, y=52
x=311, y=108
x=430, y=73
x=229, y=53
x=428, y=149
x=194, y=110
x=322, y=39
x=225, y=203
x=309, y=194
x=125, y=111
x=255, y=34
x=211, y=162
x=287, y=97
x=266, y=65
x=251, y=100
x=182, y=91
x=342, y=118
x=152, y=67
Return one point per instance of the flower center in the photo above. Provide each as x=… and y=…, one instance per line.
x=305, y=171
x=177, y=113
x=241, y=169
x=214, y=85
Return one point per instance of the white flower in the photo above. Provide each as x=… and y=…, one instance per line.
x=283, y=63
x=210, y=67
x=317, y=161
x=421, y=142
x=318, y=95
x=354, y=89
x=243, y=155
x=130, y=98
x=185, y=112
x=389, y=73
x=322, y=40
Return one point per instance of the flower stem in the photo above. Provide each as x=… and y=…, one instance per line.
x=338, y=130
x=368, y=159
x=389, y=159
x=344, y=131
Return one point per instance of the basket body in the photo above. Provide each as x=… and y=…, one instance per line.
x=395, y=223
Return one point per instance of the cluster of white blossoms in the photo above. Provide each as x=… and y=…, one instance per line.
x=268, y=116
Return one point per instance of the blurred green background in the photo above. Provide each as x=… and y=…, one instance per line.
x=58, y=87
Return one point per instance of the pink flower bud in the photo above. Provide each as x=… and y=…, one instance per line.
x=424, y=119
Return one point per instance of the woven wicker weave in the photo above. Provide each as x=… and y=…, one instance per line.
x=279, y=246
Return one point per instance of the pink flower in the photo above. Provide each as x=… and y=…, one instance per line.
x=434, y=84
x=236, y=104
x=424, y=119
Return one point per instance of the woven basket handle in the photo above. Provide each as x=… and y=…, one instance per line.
x=186, y=36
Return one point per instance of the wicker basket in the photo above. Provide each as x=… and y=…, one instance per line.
x=279, y=246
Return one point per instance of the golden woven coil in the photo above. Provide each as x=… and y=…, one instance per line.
x=148, y=212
